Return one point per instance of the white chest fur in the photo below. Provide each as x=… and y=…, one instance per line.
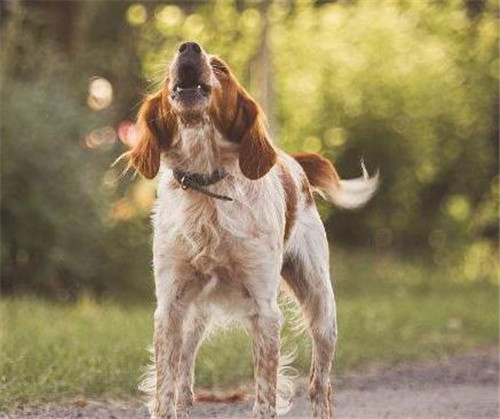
x=210, y=233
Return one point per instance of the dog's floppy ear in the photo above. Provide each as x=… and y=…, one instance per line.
x=156, y=126
x=257, y=154
x=240, y=119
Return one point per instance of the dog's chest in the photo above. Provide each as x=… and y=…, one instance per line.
x=200, y=232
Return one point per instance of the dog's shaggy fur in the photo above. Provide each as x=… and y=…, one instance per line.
x=213, y=256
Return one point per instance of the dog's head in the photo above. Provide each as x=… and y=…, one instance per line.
x=198, y=86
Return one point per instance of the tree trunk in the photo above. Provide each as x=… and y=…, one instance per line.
x=260, y=70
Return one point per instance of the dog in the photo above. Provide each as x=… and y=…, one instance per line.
x=234, y=216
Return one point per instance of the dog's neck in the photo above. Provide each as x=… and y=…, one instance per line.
x=200, y=148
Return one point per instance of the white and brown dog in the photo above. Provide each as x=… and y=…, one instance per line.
x=234, y=215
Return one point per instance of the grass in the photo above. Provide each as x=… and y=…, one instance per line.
x=389, y=311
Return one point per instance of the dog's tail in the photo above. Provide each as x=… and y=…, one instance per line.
x=350, y=193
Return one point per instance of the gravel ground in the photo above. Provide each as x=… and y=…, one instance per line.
x=460, y=387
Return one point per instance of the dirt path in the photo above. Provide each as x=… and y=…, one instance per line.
x=460, y=387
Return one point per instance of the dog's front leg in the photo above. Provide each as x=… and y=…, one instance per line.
x=167, y=342
x=168, y=339
x=266, y=326
x=193, y=335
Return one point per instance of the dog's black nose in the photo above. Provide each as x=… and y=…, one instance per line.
x=188, y=47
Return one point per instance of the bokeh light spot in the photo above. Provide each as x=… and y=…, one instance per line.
x=101, y=138
x=426, y=172
x=250, y=18
x=169, y=16
x=458, y=207
x=100, y=93
x=312, y=144
x=194, y=24
x=136, y=15
x=127, y=133
x=335, y=137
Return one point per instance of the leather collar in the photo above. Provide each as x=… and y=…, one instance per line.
x=199, y=181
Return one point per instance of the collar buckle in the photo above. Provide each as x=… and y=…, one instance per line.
x=183, y=182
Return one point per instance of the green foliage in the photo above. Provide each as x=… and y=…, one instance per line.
x=49, y=188
x=55, y=239
x=389, y=311
x=57, y=193
x=410, y=85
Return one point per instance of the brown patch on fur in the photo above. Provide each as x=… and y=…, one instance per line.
x=291, y=199
x=157, y=126
x=216, y=397
x=240, y=119
x=306, y=190
x=319, y=171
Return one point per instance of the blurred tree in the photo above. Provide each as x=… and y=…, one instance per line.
x=260, y=66
x=410, y=85
x=475, y=7
x=56, y=237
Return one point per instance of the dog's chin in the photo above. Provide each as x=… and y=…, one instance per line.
x=190, y=100
x=191, y=103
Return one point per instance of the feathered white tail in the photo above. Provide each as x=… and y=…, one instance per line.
x=322, y=176
x=351, y=193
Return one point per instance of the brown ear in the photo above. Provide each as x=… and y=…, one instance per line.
x=257, y=154
x=240, y=119
x=156, y=127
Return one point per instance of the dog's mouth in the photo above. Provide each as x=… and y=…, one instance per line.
x=190, y=95
x=190, y=78
x=191, y=88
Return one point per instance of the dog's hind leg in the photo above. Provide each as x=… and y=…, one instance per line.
x=194, y=332
x=306, y=271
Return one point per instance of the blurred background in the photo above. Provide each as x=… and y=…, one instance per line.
x=409, y=85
